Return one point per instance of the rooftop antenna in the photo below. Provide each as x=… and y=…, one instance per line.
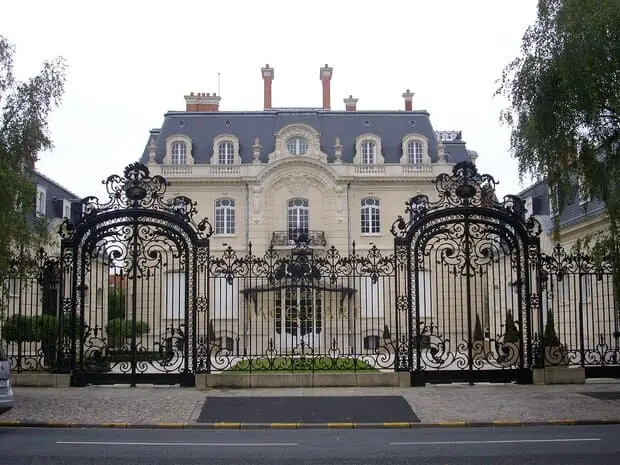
x=218, y=83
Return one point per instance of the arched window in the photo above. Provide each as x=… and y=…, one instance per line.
x=371, y=219
x=298, y=218
x=414, y=152
x=224, y=216
x=369, y=152
x=178, y=154
x=297, y=146
x=226, y=153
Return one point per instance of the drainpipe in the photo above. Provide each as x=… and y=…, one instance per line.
x=247, y=216
x=348, y=219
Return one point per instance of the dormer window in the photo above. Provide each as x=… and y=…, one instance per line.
x=369, y=152
x=297, y=146
x=178, y=155
x=414, y=152
x=225, y=150
x=226, y=153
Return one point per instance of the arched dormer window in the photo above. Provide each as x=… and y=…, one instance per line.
x=368, y=150
x=225, y=150
x=297, y=140
x=178, y=150
x=415, y=150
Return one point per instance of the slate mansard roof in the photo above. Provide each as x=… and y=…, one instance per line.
x=390, y=126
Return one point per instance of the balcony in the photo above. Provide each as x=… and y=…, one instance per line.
x=293, y=237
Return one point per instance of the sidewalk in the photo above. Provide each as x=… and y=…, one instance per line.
x=435, y=405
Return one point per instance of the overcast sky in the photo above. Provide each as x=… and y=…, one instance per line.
x=131, y=61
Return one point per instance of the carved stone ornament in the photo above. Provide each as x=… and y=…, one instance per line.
x=311, y=135
x=298, y=184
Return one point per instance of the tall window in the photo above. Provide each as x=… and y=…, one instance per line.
x=224, y=216
x=297, y=146
x=179, y=153
x=414, y=152
x=369, y=152
x=226, y=153
x=371, y=223
x=41, y=201
x=298, y=218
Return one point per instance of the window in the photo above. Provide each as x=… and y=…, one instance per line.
x=414, y=152
x=179, y=153
x=224, y=216
x=298, y=311
x=175, y=295
x=297, y=146
x=226, y=152
x=369, y=152
x=66, y=209
x=371, y=223
x=298, y=218
x=41, y=200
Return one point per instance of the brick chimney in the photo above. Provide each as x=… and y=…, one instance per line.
x=408, y=96
x=350, y=103
x=267, y=79
x=326, y=77
x=202, y=102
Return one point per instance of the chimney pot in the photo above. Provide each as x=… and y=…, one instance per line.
x=267, y=80
x=408, y=96
x=350, y=103
x=326, y=76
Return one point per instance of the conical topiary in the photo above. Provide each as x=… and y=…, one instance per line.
x=478, y=336
x=387, y=335
x=511, y=334
x=550, y=337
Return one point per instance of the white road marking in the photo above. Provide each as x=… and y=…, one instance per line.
x=200, y=444
x=499, y=441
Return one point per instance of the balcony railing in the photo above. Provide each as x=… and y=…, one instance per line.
x=293, y=237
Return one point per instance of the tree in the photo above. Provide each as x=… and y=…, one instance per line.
x=551, y=338
x=478, y=336
x=564, y=95
x=116, y=304
x=511, y=333
x=25, y=107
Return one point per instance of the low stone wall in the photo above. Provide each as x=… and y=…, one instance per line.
x=317, y=379
x=41, y=379
x=559, y=375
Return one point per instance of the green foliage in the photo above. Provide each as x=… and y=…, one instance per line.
x=511, y=333
x=550, y=337
x=564, y=96
x=38, y=328
x=478, y=336
x=210, y=332
x=387, y=335
x=23, y=134
x=119, y=330
x=116, y=304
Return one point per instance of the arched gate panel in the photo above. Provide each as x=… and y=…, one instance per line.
x=464, y=265
x=134, y=285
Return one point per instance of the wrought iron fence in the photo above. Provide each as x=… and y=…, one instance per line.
x=302, y=311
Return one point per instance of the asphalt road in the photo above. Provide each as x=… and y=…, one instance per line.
x=563, y=445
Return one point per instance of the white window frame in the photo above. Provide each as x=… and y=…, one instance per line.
x=359, y=149
x=226, y=153
x=170, y=141
x=297, y=145
x=370, y=216
x=300, y=214
x=225, y=223
x=217, y=143
x=41, y=201
x=66, y=209
x=423, y=141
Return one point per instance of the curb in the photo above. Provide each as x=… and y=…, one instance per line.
x=339, y=425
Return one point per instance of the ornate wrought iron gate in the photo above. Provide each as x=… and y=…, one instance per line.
x=463, y=271
x=133, y=274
